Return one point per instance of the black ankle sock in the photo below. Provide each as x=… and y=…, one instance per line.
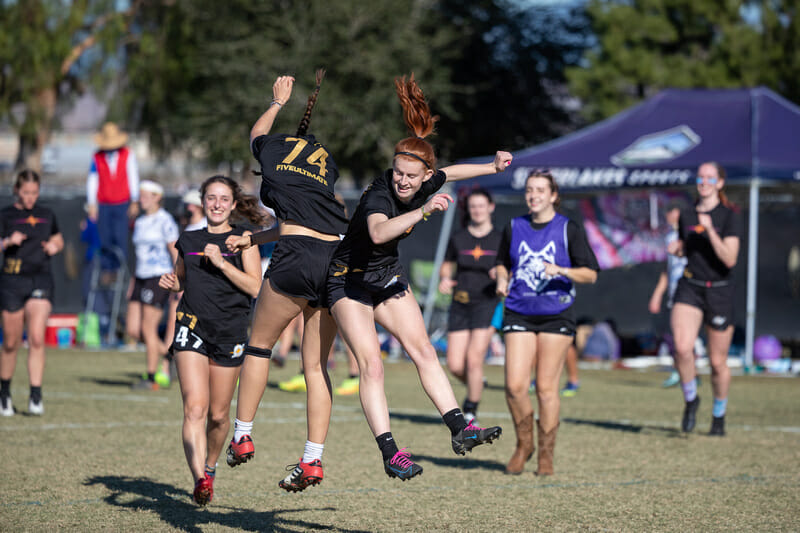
x=455, y=420
x=151, y=376
x=470, y=407
x=5, y=388
x=36, y=394
x=387, y=445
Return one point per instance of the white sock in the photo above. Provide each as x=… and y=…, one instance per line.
x=241, y=429
x=312, y=451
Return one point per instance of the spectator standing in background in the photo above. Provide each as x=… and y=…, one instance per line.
x=112, y=192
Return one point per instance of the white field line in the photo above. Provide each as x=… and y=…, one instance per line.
x=5, y=427
x=743, y=479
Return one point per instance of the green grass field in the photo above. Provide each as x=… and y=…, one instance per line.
x=106, y=458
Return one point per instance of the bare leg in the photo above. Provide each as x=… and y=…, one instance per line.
x=719, y=343
x=318, y=335
x=273, y=313
x=457, y=343
x=193, y=373
x=552, y=353
x=36, y=313
x=686, y=321
x=476, y=354
x=13, y=326
x=357, y=328
x=221, y=384
x=151, y=316
x=572, y=364
x=401, y=317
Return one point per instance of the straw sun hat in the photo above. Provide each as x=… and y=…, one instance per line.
x=110, y=137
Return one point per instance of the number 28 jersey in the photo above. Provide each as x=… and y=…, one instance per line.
x=298, y=175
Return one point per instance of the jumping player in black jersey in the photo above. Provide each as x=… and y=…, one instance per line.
x=472, y=251
x=367, y=284
x=708, y=236
x=540, y=258
x=212, y=320
x=298, y=177
x=29, y=237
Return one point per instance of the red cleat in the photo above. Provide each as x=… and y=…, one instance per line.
x=204, y=490
x=303, y=475
x=240, y=452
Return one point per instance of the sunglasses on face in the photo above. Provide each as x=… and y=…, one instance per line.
x=710, y=181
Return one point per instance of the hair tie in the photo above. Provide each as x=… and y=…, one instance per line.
x=415, y=156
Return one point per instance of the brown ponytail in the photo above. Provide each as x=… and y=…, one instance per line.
x=419, y=121
x=303, y=127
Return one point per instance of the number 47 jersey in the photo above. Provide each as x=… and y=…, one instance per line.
x=298, y=176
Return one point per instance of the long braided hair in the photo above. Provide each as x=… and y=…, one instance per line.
x=419, y=121
x=306, y=120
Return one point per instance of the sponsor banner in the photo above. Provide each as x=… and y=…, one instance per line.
x=629, y=228
x=609, y=177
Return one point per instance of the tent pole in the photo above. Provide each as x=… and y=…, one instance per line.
x=441, y=247
x=752, y=272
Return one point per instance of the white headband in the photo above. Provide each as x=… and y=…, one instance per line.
x=151, y=186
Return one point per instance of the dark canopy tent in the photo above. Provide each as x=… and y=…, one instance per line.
x=753, y=133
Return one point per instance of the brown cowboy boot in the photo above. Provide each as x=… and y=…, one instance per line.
x=547, y=444
x=525, y=446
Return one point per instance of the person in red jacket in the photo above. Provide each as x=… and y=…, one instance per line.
x=112, y=192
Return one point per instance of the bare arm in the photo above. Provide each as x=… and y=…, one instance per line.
x=243, y=242
x=658, y=294
x=465, y=171
x=281, y=92
x=173, y=281
x=447, y=282
x=383, y=229
x=727, y=249
x=247, y=280
x=54, y=244
x=502, y=280
x=577, y=274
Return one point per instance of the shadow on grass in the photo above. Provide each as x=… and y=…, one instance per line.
x=174, y=507
x=417, y=418
x=109, y=382
x=625, y=427
x=462, y=463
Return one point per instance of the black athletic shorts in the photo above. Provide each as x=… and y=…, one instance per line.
x=716, y=303
x=299, y=268
x=370, y=287
x=222, y=353
x=476, y=314
x=147, y=291
x=17, y=289
x=562, y=324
